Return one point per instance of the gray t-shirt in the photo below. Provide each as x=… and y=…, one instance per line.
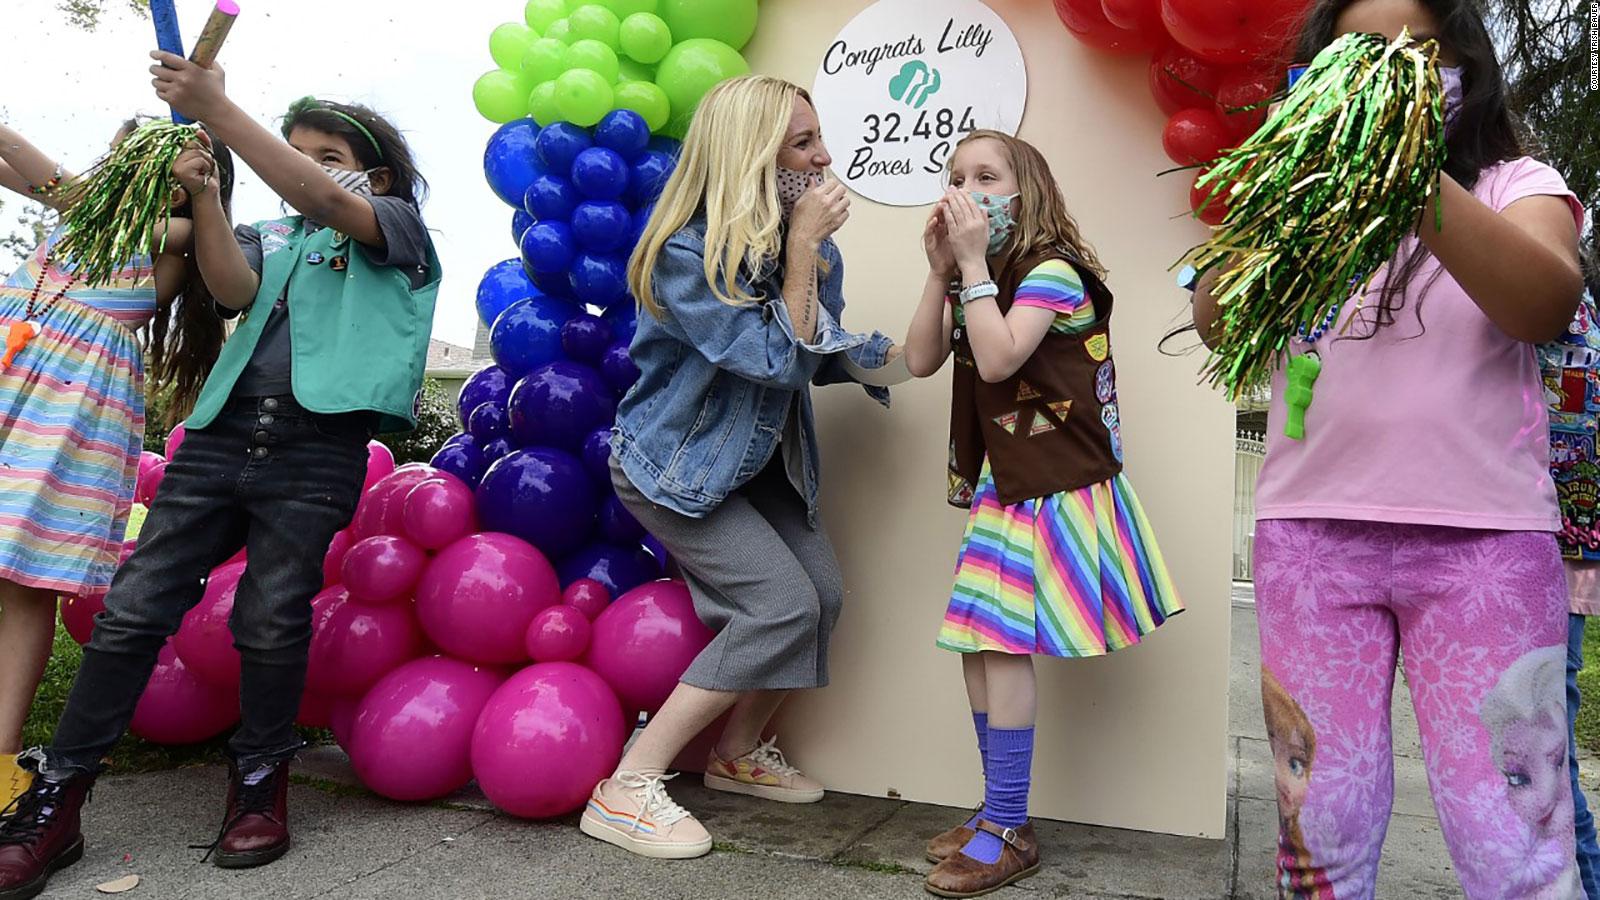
x=406, y=246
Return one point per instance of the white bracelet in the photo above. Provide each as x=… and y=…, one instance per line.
x=978, y=291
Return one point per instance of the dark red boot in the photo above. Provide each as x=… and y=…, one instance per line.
x=40, y=834
x=256, y=830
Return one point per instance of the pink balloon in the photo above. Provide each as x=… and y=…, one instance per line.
x=128, y=546
x=558, y=634
x=645, y=640
x=239, y=557
x=558, y=720
x=356, y=645
x=478, y=595
x=380, y=462
x=148, y=460
x=149, y=482
x=333, y=560
x=381, y=506
x=204, y=641
x=382, y=569
x=178, y=708
x=175, y=439
x=438, y=512
x=588, y=596
x=412, y=734
x=77, y=615
x=316, y=710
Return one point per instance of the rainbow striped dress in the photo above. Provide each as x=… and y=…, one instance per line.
x=71, y=425
x=1076, y=573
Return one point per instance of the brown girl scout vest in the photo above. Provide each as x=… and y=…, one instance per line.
x=1051, y=427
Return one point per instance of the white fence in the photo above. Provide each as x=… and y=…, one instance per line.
x=1249, y=450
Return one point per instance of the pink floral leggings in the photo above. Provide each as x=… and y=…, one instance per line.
x=1480, y=618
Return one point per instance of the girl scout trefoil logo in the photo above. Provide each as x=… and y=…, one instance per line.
x=915, y=83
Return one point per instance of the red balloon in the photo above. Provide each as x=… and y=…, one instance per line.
x=1245, y=87
x=589, y=596
x=1088, y=23
x=1181, y=80
x=1233, y=31
x=77, y=615
x=1213, y=212
x=316, y=710
x=1195, y=136
x=1140, y=16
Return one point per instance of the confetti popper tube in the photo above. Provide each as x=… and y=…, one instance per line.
x=214, y=33
x=165, y=18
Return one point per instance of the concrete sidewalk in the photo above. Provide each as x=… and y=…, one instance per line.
x=353, y=845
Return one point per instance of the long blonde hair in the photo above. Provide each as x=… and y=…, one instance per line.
x=726, y=167
x=1043, y=223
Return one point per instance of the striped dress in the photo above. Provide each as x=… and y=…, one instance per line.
x=1076, y=573
x=71, y=425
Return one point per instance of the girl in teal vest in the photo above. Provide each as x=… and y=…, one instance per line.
x=335, y=306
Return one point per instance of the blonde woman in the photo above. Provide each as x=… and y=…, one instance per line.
x=716, y=448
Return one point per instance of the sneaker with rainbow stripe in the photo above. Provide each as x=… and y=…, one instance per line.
x=764, y=773
x=632, y=811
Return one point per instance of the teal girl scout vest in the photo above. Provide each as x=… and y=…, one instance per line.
x=358, y=332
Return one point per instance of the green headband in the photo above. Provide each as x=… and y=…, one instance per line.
x=306, y=104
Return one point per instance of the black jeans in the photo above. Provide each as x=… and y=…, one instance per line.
x=266, y=475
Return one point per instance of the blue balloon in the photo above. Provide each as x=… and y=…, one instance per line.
x=528, y=335
x=624, y=321
x=585, y=338
x=548, y=247
x=618, y=369
x=461, y=459
x=599, y=279
x=601, y=226
x=600, y=174
x=558, y=405
x=657, y=550
x=460, y=437
x=550, y=199
x=489, y=384
x=554, y=284
x=663, y=144
x=624, y=131
x=520, y=222
x=648, y=175
x=560, y=144
x=617, y=525
x=597, y=455
x=619, y=569
x=541, y=495
x=509, y=161
x=496, y=448
x=504, y=284
x=487, y=422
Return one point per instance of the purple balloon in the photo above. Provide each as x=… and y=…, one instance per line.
x=548, y=247
x=601, y=226
x=528, y=334
x=647, y=176
x=597, y=455
x=496, y=448
x=541, y=495
x=624, y=320
x=412, y=735
x=659, y=551
x=489, y=384
x=618, y=368
x=558, y=404
x=617, y=525
x=461, y=459
x=487, y=422
x=620, y=569
x=624, y=131
x=560, y=144
x=550, y=199
x=600, y=174
x=600, y=279
x=585, y=338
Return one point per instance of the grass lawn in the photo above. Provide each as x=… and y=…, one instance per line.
x=1588, y=727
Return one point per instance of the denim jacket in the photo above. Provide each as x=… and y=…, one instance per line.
x=717, y=381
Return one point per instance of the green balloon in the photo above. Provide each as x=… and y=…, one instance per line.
x=508, y=42
x=628, y=70
x=498, y=97
x=582, y=96
x=691, y=68
x=645, y=37
x=647, y=99
x=729, y=21
x=542, y=104
x=544, y=61
x=596, y=57
x=574, y=5
x=541, y=13
x=626, y=8
x=560, y=30
x=596, y=23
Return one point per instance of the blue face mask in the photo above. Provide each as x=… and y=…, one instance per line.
x=1001, y=222
x=1454, y=90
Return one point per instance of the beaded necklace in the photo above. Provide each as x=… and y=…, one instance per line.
x=21, y=332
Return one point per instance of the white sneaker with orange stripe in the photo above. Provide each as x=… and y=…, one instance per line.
x=633, y=811
x=764, y=773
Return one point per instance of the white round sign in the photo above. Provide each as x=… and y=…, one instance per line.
x=901, y=84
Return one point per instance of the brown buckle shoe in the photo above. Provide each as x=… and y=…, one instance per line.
x=944, y=845
x=40, y=835
x=256, y=830
x=962, y=876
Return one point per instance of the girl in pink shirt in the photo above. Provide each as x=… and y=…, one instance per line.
x=1418, y=512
